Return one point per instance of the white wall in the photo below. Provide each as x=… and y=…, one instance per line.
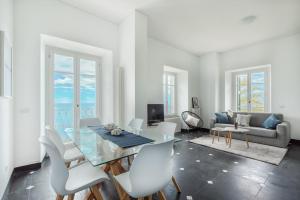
x=141, y=65
x=161, y=54
x=51, y=17
x=284, y=56
x=209, y=86
x=6, y=106
x=127, y=64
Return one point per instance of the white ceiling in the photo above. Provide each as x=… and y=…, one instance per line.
x=201, y=26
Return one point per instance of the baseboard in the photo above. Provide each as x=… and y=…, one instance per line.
x=31, y=167
x=193, y=130
x=293, y=141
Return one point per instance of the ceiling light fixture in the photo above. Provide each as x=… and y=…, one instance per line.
x=249, y=19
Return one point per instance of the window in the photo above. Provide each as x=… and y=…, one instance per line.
x=74, y=91
x=252, y=90
x=169, y=93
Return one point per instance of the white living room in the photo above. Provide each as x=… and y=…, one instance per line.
x=153, y=99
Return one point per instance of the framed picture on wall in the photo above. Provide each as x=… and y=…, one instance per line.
x=6, y=66
x=195, y=103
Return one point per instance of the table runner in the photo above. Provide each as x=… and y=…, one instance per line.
x=125, y=140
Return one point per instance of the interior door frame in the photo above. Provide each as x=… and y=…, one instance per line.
x=50, y=51
x=248, y=71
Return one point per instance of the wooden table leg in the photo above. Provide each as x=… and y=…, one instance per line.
x=176, y=184
x=71, y=196
x=117, y=169
x=59, y=197
x=214, y=132
x=89, y=196
x=161, y=195
x=96, y=192
x=247, y=141
x=218, y=136
x=230, y=138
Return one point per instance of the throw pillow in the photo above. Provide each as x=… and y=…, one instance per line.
x=192, y=120
x=243, y=120
x=222, y=118
x=271, y=122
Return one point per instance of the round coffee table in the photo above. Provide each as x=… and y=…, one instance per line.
x=231, y=130
x=218, y=130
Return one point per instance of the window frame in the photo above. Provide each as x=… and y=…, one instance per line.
x=267, y=71
x=165, y=87
x=50, y=52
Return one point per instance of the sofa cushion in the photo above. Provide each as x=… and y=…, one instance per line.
x=271, y=122
x=243, y=120
x=222, y=118
x=262, y=132
x=192, y=120
x=258, y=118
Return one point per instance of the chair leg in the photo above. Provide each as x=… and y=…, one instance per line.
x=71, y=196
x=149, y=197
x=68, y=164
x=59, y=197
x=129, y=161
x=161, y=195
x=80, y=160
x=176, y=184
x=96, y=192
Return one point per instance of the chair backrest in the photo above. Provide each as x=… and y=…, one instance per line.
x=136, y=124
x=151, y=170
x=58, y=171
x=90, y=122
x=56, y=139
x=167, y=128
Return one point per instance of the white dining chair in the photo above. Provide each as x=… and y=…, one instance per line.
x=136, y=124
x=90, y=122
x=69, y=154
x=169, y=128
x=68, y=182
x=150, y=171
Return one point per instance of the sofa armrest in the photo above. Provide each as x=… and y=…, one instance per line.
x=212, y=122
x=284, y=131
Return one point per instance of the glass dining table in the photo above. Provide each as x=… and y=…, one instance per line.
x=98, y=150
x=102, y=152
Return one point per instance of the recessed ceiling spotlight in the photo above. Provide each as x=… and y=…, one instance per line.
x=249, y=19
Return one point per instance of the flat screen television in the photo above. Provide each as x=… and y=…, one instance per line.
x=155, y=113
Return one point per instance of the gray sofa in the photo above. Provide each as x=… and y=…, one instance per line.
x=279, y=137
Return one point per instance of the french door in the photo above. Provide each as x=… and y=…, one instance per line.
x=74, y=88
x=252, y=90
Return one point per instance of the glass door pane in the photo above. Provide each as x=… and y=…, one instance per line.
x=88, y=89
x=242, y=92
x=257, y=92
x=63, y=92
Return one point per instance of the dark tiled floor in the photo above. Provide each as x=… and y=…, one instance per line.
x=218, y=175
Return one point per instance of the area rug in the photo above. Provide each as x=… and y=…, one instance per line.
x=269, y=154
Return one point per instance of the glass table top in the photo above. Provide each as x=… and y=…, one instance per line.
x=100, y=151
